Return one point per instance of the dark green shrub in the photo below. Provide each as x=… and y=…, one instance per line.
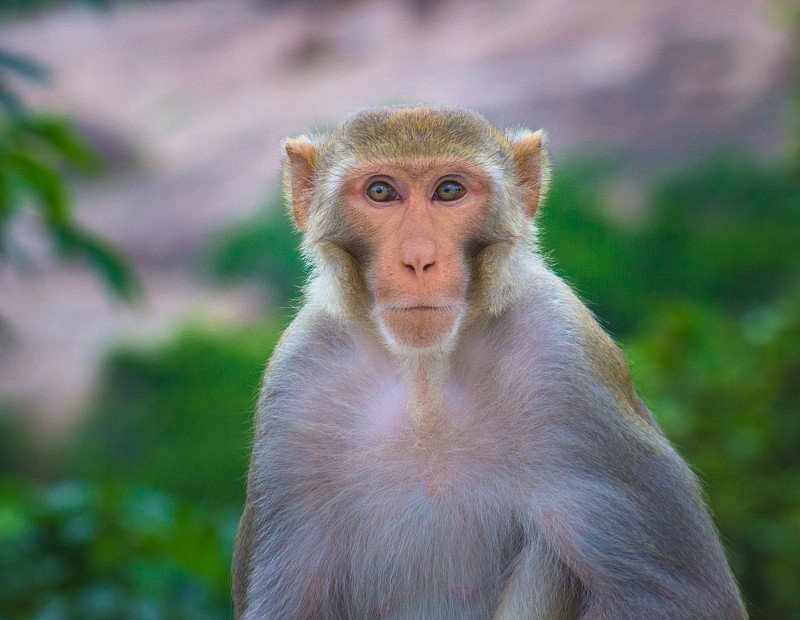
x=264, y=250
x=16, y=442
x=79, y=551
x=726, y=232
x=178, y=417
x=727, y=393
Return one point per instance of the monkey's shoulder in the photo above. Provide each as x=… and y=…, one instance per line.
x=313, y=336
x=551, y=321
x=309, y=348
x=319, y=365
x=552, y=337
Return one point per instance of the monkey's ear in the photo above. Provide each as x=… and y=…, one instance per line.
x=533, y=166
x=298, y=178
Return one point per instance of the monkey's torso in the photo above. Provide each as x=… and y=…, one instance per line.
x=360, y=507
x=392, y=514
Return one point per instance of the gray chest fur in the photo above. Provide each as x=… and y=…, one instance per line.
x=417, y=504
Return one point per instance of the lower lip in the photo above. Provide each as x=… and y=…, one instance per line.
x=424, y=309
x=420, y=326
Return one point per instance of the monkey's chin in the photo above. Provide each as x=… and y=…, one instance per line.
x=420, y=327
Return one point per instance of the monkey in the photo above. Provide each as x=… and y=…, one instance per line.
x=444, y=430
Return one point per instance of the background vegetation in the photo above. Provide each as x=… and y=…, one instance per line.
x=38, y=152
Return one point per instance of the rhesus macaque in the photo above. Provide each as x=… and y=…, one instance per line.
x=444, y=431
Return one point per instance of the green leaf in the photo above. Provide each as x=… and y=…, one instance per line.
x=5, y=200
x=62, y=136
x=103, y=257
x=11, y=102
x=24, y=66
x=46, y=185
x=33, y=151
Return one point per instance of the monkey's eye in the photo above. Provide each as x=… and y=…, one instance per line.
x=449, y=191
x=381, y=192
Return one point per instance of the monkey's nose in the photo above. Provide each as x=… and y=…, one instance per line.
x=418, y=256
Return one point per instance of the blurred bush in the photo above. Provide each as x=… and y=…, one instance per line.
x=80, y=551
x=264, y=251
x=725, y=232
x=16, y=441
x=179, y=416
x=726, y=391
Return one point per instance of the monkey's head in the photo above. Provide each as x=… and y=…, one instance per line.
x=413, y=216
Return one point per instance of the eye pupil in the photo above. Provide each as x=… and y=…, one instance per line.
x=381, y=192
x=449, y=191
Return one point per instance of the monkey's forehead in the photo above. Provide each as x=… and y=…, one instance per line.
x=408, y=132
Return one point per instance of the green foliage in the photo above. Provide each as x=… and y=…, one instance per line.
x=264, y=250
x=178, y=417
x=23, y=7
x=16, y=441
x=24, y=67
x=727, y=392
x=597, y=256
x=726, y=233
x=36, y=150
x=78, y=551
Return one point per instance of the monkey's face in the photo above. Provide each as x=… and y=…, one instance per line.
x=411, y=213
x=414, y=221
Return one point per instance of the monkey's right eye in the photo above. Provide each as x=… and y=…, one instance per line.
x=381, y=192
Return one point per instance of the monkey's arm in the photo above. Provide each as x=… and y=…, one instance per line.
x=242, y=552
x=282, y=565
x=624, y=514
x=279, y=571
x=538, y=588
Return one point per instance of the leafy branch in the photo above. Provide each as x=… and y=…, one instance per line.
x=36, y=150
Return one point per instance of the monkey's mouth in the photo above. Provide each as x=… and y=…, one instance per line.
x=422, y=309
x=419, y=325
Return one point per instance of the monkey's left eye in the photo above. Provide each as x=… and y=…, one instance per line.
x=381, y=192
x=448, y=191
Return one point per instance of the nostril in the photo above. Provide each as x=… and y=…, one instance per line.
x=418, y=267
x=418, y=254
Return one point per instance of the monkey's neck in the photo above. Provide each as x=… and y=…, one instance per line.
x=426, y=376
